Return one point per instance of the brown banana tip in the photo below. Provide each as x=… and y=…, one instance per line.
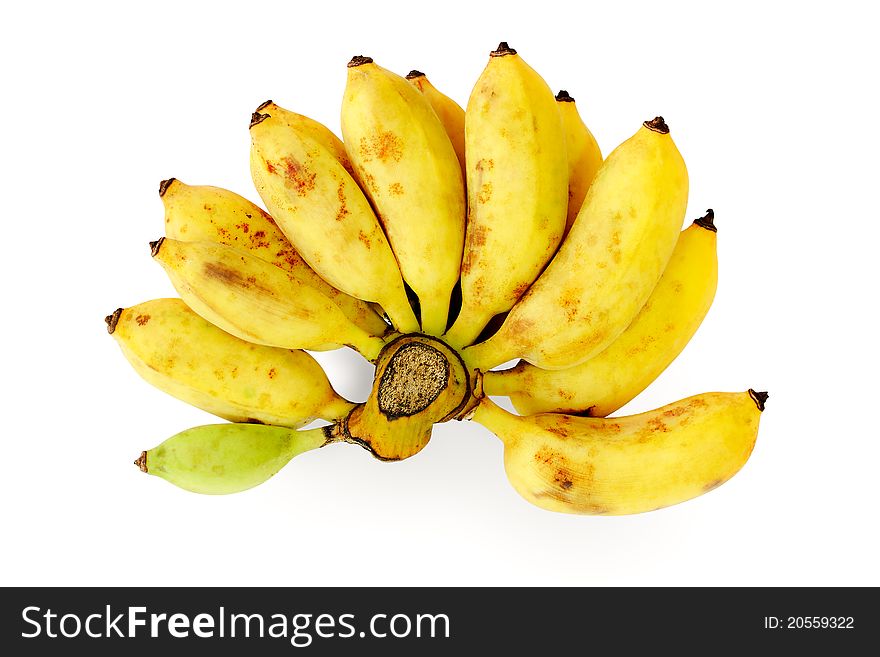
x=657, y=124
x=112, y=320
x=760, y=398
x=359, y=60
x=263, y=105
x=502, y=50
x=164, y=185
x=155, y=246
x=141, y=462
x=563, y=97
x=707, y=221
x=413, y=74
x=256, y=118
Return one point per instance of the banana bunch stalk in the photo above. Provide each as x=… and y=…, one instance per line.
x=440, y=243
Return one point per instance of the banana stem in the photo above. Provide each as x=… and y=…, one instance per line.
x=500, y=383
x=368, y=345
x=336, y=409
x=435, y=312
x=497, y=420
x=467, y=328
x=402, y=316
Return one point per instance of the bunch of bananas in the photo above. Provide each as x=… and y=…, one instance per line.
x=441, y=243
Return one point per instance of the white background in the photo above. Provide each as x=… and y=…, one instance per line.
x=772, y=104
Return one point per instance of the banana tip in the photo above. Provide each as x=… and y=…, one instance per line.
x=657, y=124
x=502, y=50
x=564, y=97
x=263, y=105
x=707, y=221
x=413, y=74
x=359, y=60
x=164, y=185
x=141, y=462
x=155, y=246
x=760, y=398
x=256, y=118
x=112, y=320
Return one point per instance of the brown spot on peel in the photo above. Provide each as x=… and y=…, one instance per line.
x=164, y=185
x=142, y=319
x=141, y=462
x=707, y=221
x=760, y=398
x=657, y=124
x=113, y=319
x=502, y=50
x=359, y=60
x=155, y=246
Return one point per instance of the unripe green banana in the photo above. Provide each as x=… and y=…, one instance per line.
x=217, y=459
x=182, y=354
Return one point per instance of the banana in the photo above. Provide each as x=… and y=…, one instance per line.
x=195, y=213
x=607, y=267
x=255, y=300
x=584, y=156
x=449, y=112
x=317, y=131
x=657, y=335
x=410, y=172
x=629, y=464
x=217, y=459
x=322, y=211
x=517, y=182
x=182, y=354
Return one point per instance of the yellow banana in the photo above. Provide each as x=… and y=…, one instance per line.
x=449, y=112
x=607, y=266
x=322, y=211
x=657, y=335
x=317, y=131
x=195, y=213
x=629, y=464
x=182, y=354
x=218, y=459
x=517, y=182
x=410, y=172
x=255, y=300
x=584, y=155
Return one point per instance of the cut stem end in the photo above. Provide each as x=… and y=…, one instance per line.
x=760, y=398
x=112, y=320
x=707, y=221
x=657, y=124
x=164, y=185
x=359, y=60
x=564, y=97
x=155, y=246
x=141, y=462
x=502, y=50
